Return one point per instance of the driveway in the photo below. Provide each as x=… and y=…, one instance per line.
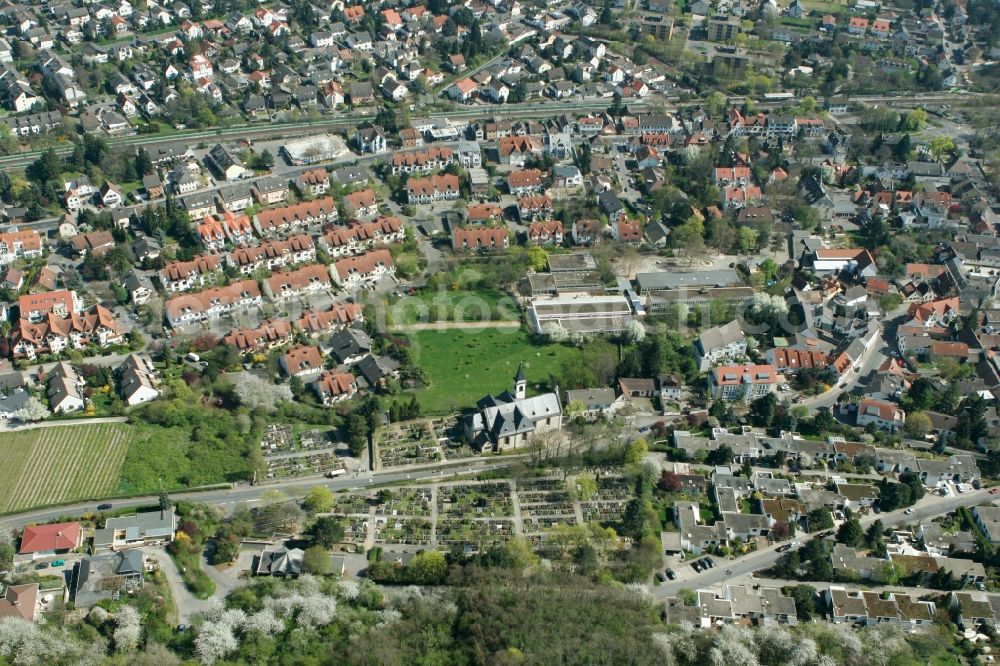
x=185, y=603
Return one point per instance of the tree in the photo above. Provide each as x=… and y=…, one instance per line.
x=635, y=331
x=428, y=567
x=762, y=410
x=747, y=239
x=606, y=17
x=819, y=519
x=128, y=629
x=670, y=482
x=316, y=561
x=941, y=146
x=326, y=531
x=636, y=451
x=227, y=549
x=319, y=499
x=720, y=456
x=257, y=393
x=918, y=424
x=805, y=601
x=850, y=532
x=143, y=164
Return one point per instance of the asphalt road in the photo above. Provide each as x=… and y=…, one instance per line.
x=229, y=498
x=929, y=507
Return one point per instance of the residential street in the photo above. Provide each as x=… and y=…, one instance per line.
x=930, y=506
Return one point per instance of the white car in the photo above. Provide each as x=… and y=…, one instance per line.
x=908, y=511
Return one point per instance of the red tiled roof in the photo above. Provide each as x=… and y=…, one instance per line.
x=59, y=536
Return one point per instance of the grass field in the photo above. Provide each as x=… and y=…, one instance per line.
x=45, y=466
x=464, y=365
x=453, y=306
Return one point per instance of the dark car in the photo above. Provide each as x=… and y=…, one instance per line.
x=42, y=565
x=696, y=566
x=708, y=563
x=103, y=507
x=660, y=577
x=784, y=549
x=670, y=574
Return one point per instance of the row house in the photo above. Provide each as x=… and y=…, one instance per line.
x=525, y=181
x=16, y=245
x=337, y=316
x=363, y=270
x=548, y=232
x=431, y=159
x=740, y=197
x=362, y=203
x=295, y=218
x=300, y=283
x=238, y=228
x=211, y=234
x=361, y=236
x=483, y=213
x=480, y=239
x=199, y=205
x=515, y=150
x=265, y=337
x=273, y=254
x=180, y=276
x=869, y=608
x=270, y=190
x=313, y=182
x=737, y=604
x=735, y=175
x=537, y=207
x=235, y=198
x=53, y=321
x=444, y=187
x=302, y=361
x=213, y=303
x=332, y=387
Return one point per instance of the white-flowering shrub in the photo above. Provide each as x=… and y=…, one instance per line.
x=349, y=589
x=265, y=622
x=128, y=629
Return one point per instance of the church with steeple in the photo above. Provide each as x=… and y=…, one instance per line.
x=512, y=419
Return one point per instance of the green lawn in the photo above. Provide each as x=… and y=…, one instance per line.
x=211, y=452
x=44, y=466
x=464, y=365
x=433, y=306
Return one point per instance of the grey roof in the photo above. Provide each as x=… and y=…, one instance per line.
x=100, y=576
x=672, y=280
x=137, y=527
x=280, y=562
x=592, y=398
x=720, y=336
x=12, y=401
x=372, y=368
x=349, y=342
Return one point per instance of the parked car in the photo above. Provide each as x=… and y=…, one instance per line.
x=709, y=563
x=42, y=565
x=784, y=549
x=994, y=491
x=696, y=565
x=58, y=563
x=103, y=507
x=671, y=574
x=908, y=511
x=660, y=577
